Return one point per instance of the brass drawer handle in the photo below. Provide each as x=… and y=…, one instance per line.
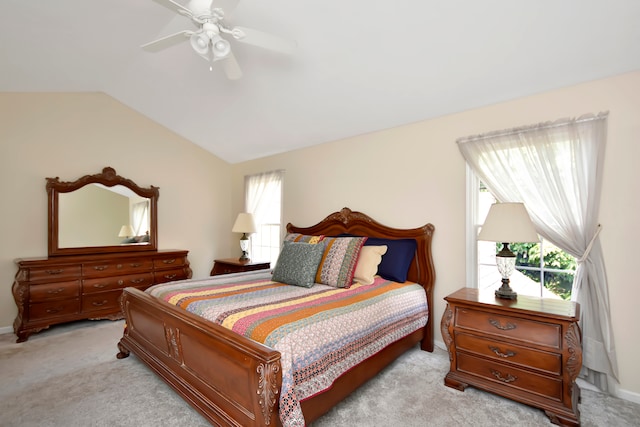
x=170, y=276
x=99, y=285
x=53, y=310
x=54, y=271
x=497, y=324
x=169, y=261
x=137, y=280
x=55, y=291
x=135, y=265
x=508, y=379
x=100, y=267
x=497, y=351
x=99, y=303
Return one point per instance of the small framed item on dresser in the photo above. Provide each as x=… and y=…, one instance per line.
x=528, y=350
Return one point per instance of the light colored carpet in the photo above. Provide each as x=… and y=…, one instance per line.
x=69, y=376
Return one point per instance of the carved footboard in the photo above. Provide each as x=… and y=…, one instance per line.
x=231, y=380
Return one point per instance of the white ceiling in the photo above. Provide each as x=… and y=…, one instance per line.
x=361, y=65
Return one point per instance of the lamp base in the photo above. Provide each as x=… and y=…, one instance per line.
x=244, y=257
x=505, y=291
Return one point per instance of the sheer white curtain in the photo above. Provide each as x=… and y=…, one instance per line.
x=555, y=169
x=140, y=218
x=263, y=198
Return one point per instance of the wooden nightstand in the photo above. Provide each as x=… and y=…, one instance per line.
x=234, y=265
x=528, y=349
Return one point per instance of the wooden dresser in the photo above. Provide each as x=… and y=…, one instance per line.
x=60, y=289
x=528, y=349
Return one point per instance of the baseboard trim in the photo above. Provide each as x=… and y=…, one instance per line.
x=6, y=329
x=627, y=395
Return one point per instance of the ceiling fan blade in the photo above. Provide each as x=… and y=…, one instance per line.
x=264, y=40
x=176, y=7
x=231, y=67
x=167, y=41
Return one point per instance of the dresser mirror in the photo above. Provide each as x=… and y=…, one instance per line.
x=101, y=213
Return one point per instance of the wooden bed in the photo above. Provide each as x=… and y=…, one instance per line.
x=235, y=381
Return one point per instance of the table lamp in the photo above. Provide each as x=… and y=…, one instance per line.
x=244, y=224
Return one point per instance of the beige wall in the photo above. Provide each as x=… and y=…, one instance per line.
x=71, y=135
x=410, y=175
x=403, y=177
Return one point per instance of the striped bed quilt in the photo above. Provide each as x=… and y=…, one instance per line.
x=321, y=332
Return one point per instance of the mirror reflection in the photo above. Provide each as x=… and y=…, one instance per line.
x=97, y=215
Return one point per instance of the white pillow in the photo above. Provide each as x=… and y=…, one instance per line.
x=368, y=261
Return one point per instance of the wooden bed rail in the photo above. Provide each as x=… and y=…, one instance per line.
x=231, y=380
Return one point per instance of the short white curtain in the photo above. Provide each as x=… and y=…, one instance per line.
x=555, y=169
x=260, y=191
x=140, y=218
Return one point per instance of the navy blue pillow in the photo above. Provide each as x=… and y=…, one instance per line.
x=395, y=263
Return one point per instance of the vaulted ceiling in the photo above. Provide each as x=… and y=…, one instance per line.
x=360, y=65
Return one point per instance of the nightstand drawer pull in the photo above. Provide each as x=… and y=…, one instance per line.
x=55, y=291
x=99, y=303
x=169, y=261
x=497, y=351
x=506, y=327
x=508, y=379
x=100, y=267
x=170, y=276
x=54, y=271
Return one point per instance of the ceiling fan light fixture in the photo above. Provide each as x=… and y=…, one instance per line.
x=200, y=43
x=220, y=47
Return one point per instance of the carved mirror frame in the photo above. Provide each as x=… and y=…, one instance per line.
x=108, y=178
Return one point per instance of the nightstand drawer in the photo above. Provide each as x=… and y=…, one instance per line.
x=550, y=363
x=528, y=331
x=509, y=376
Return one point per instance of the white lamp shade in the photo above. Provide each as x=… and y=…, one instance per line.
x=126, y=231
x=508, y=222
x=244, y=224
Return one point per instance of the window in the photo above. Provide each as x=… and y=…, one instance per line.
x=263, y=198
x=549, y=275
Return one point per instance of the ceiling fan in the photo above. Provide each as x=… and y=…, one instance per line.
x=208, y=41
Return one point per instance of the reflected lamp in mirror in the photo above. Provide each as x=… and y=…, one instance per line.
x=126, y=231
x=246, y=225
x=507, y=223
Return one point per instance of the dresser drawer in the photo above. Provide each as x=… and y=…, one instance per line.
x=58, y=272
x=509, y=376
x=169, y=262
x=528, y=331
x=546, y=362
x=114, y=267
x=56, y=308
x=49, y=291
x=170, y=275
x=101, y=301
x=101, y=284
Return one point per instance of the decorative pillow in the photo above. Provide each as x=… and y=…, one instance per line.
x=368, y=261
x=297, y=264
x=395, y=263
x=303, y=238
x=339, y=260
